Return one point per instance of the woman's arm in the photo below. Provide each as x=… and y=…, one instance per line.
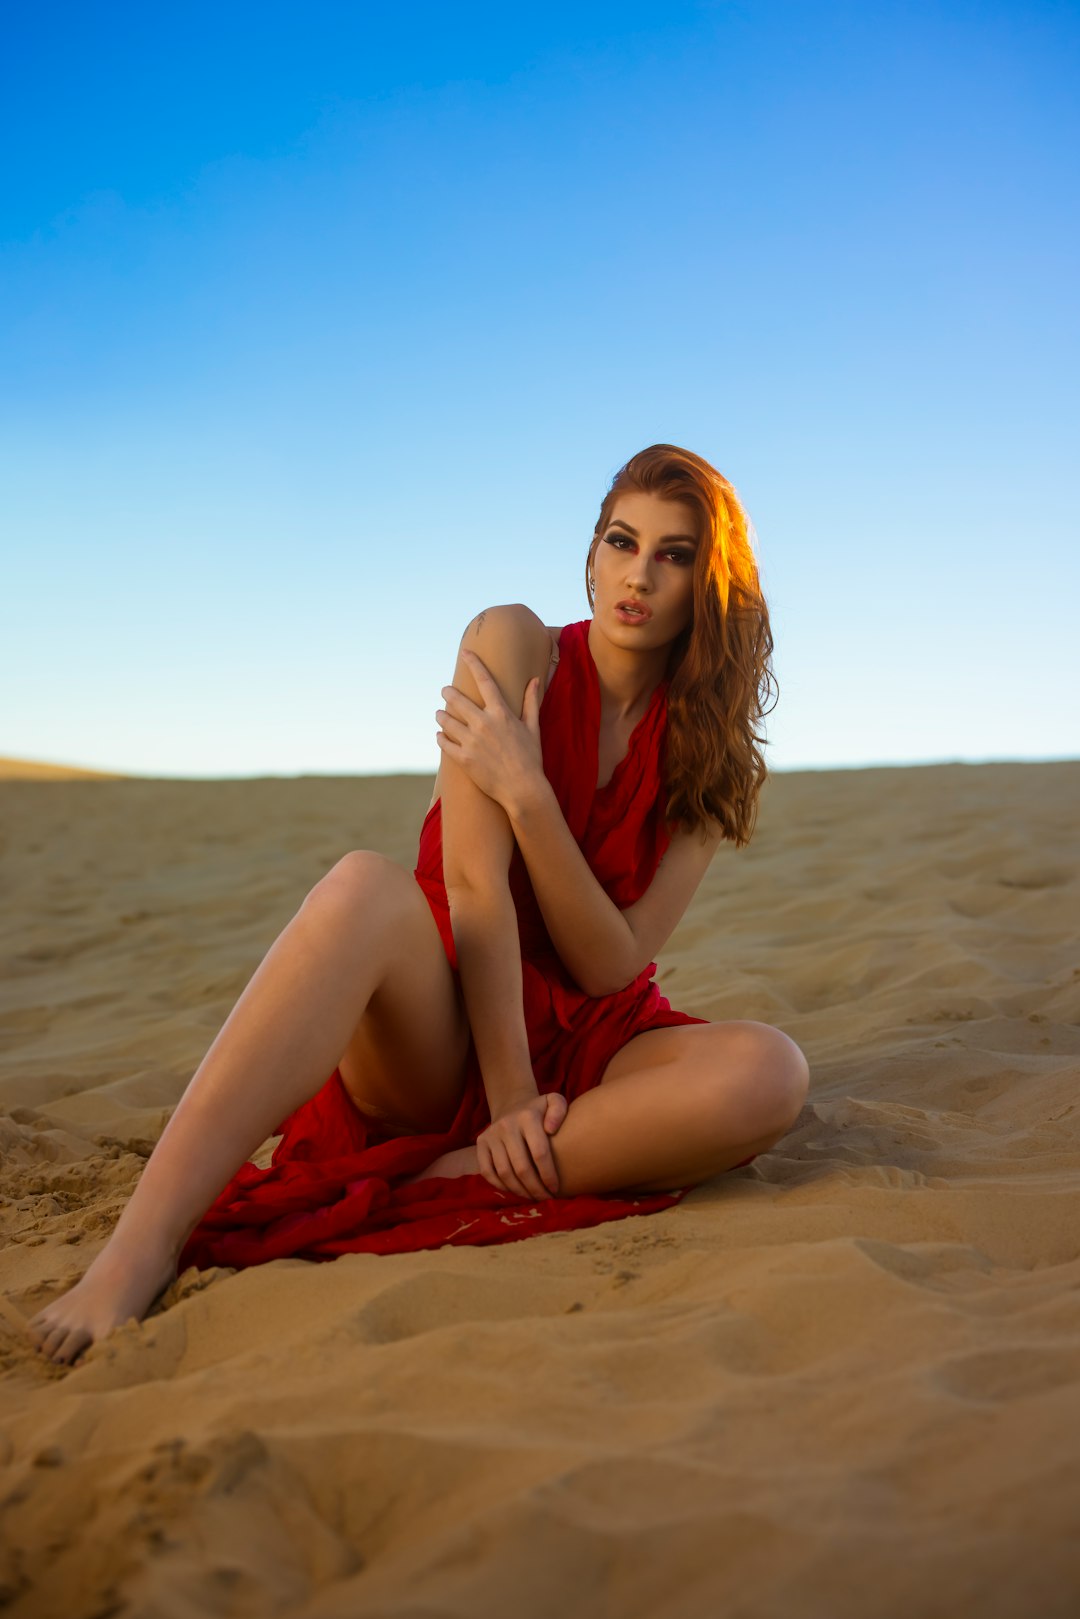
x=503, y=757
x=590, y=933
x=602, y=947
x=484, y=922
x=477, y=846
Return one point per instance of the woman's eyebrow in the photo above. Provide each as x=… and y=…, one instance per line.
x=690, y=539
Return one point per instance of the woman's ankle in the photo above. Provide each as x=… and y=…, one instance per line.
x=130, y=1248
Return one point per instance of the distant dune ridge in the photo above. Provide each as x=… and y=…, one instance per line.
x=32, y=770
x=844, y=1379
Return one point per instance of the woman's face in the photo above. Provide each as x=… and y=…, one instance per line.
x=645, y=554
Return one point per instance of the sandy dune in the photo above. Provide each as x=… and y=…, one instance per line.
x=843, y=1381
x=37, y=770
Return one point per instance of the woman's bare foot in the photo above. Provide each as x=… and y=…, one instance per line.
x=122, y=1282
x=463, y=1161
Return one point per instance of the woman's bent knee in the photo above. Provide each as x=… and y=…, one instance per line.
x=784, y=1076
x=363, y=877
x=358, y=870
x=775, y=1078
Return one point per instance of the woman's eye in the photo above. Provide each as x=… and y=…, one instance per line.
x=682, y=557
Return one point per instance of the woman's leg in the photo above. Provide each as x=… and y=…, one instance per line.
x=365, y=926
x=678, y=1105
x=674, y=1107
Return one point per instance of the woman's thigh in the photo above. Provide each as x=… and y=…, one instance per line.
x=677, y=1104
x=406, y=1060
x=755, y=1068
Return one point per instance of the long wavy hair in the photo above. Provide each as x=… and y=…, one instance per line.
x=718, y=667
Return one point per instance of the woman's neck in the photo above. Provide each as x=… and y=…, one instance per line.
x=627, y=679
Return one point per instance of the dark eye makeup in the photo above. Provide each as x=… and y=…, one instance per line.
x=683, y=553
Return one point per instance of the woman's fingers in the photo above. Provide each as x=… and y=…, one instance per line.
x=452, y=727
x=481, y=673
x=556, y=1108
x=514, y=1164
x=539, y=1143
x=515, y=1150
x=456, y=700
x=523, y=1149
x=529, y=1176
x=506, y=1173
x=486, y=1164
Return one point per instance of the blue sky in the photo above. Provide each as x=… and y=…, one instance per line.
x=324, y=326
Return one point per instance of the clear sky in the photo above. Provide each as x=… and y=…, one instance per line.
x=324, y=326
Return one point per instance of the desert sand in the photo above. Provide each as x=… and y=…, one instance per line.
x=843, y=1381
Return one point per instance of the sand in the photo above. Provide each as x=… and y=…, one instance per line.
x=842, y=1381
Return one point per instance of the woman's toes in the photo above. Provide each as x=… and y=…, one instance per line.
x=54, y=1343
x=75, y=1344
x=39, y=1327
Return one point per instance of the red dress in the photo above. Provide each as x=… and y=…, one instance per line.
x=334, y=1183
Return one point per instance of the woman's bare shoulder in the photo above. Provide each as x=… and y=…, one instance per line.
x=517, y=619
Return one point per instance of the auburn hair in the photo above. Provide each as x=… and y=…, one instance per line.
x=718, y=667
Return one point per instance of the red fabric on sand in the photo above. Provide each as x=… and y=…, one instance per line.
x=334, y=1183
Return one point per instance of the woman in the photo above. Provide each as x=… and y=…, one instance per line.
x=496, y=1030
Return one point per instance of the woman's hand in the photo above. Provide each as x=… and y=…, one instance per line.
x=501, y=754
x=514, y=1151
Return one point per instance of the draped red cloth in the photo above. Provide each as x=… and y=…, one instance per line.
x=334, y=1183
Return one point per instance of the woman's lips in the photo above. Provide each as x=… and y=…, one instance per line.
x=624, y=613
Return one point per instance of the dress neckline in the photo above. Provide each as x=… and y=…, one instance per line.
x=658, y=693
